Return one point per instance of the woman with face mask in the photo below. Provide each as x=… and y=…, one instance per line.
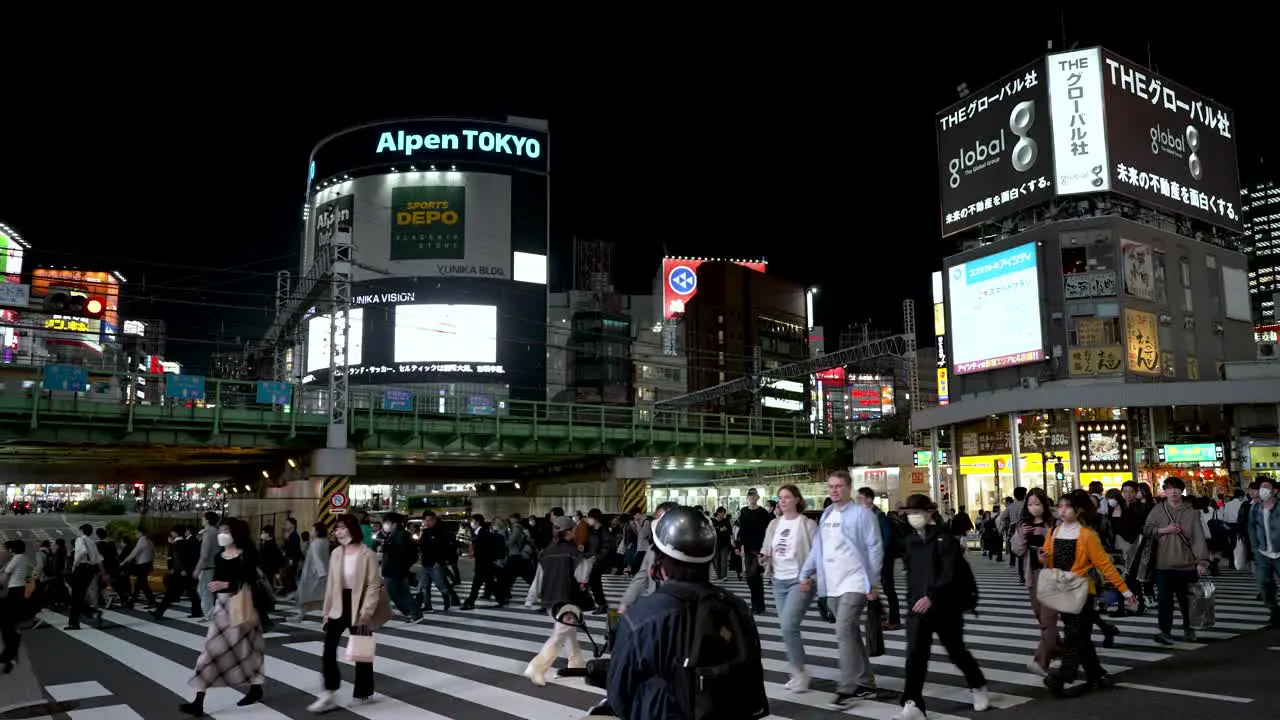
x=1075, y=548
x=933, y=558
x=233, y=654
x=787, y=542
x=1028, y=538
x=354, y=601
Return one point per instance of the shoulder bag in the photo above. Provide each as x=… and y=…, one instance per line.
x=1061, y=590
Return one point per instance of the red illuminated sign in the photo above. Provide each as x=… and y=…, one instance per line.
x=680, y=281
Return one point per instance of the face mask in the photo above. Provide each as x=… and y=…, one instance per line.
x=265, y=537
x=344, y=539
x=1112, y=502
x=386, y=527
x=224, y=539
x=918, y=521
x=1264, y=493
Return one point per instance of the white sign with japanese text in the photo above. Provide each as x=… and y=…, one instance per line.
x=1079, y=127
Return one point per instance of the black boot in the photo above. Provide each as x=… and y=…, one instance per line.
x=253, y=696
x=195, y=708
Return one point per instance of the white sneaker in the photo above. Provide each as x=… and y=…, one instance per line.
x=323, y=703
x=981, y=699
x=910, y=712
x=536, y=673
x=1034, y=667
x=799, y=682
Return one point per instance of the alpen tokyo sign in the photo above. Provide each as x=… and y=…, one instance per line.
x=499, y=143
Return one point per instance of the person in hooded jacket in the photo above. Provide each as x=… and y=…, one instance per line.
x=559, y=590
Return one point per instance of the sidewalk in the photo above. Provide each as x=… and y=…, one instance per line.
x=1235, y=678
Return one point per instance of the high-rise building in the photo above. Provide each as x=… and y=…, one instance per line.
x=1261, y=204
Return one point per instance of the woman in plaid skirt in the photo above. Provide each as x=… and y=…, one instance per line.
x=233, y=654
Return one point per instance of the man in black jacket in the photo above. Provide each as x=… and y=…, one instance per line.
x=935, y=597
x=398, y=556
x=753, y=521
x=434, y=547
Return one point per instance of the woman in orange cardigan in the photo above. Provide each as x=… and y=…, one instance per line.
x=1076, y=549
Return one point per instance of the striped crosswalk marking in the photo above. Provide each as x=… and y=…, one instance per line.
x=468, y=665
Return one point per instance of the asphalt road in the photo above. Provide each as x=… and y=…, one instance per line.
x=50, y=526
x=467, y=665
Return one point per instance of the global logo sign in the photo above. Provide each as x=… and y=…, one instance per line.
x=682, y=280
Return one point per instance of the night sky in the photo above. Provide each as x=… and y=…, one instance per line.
x=810, y=146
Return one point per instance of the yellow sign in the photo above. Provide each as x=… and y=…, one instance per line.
x=939, y=320
x=58, y=323
x=1143, y=342
x=1265, y=456
x=944, y=388
x=1109, y=480
x=1095, y=360
x=1031, y=463
x=1193, y=369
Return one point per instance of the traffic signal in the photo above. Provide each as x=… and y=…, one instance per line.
x=62, y=302
x=1058, y=474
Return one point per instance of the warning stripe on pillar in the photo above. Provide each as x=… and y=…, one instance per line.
x=633, y=495
x=335, y=499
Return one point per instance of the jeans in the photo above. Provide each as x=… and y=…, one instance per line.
x=855, y=667
x=1266, y=571
x=398, y=589
x=206, y=597
x=949, y=627
x=433, y=575
x=1171, y=584
x=791, y=603
x=721, y=560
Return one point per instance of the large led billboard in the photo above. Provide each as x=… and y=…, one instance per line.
x=994, y=304
x=425, y=224
x=680, y=281
x=318, y=329
x=1170, y=147
x=1087, y=121
x=993, y=151
x=446, y=334
x=105, y=285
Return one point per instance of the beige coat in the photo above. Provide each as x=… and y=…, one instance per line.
x=371, y=598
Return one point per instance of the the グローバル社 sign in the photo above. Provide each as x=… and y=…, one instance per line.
x=994, y=157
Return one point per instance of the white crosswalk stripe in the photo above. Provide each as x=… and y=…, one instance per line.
x=466, y=665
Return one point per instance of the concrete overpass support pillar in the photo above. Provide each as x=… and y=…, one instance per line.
x=331, y=473
x=630, y=480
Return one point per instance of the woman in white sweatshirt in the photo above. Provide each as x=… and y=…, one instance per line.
x=787, y=541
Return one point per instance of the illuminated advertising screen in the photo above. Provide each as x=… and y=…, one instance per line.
x=993, y=151
x=442, y=331
x=318, y=329
x=1170, y=147
x=994, y=303
x=11, y=251
x=680, y=281
x=446, y=334
x=105, y=285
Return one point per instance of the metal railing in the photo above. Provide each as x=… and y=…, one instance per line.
x=236, y=401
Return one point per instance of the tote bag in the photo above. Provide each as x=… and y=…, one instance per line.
x=361, y=648
x=1062, y=591
x=241, y=607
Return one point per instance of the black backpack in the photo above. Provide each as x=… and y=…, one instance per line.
x=721, y=676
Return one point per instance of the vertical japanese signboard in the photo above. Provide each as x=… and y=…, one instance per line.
x=1142, y=341
x=993, y=151
x=1079, y=124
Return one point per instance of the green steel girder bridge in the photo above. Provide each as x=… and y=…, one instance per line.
x=229, y=427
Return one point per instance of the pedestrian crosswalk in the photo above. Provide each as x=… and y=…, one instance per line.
x=467, y=665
